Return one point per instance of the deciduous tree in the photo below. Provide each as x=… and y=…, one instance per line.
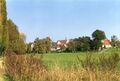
x=97, y=36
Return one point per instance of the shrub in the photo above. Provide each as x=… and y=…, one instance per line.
x=88, y=63
x=104, y=65
x=109, y=63
x=23, y=68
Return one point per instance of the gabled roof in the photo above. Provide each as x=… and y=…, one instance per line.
x=62, y=42
x=106, y=42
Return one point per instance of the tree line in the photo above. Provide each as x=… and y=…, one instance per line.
x=84, y=43
x=87, y=43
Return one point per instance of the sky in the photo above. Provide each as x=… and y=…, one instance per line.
x=60, y=19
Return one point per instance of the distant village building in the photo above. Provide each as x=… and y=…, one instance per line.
x=106, y=43
x=61, y=44
x=32, y=46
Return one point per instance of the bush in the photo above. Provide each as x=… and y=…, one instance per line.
x=88, y=63
x=109, y=63
x=23, y=68
x=104, y=63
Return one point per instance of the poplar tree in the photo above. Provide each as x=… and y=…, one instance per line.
x=3, y=27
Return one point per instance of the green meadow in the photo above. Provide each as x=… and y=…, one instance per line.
x=66, y=60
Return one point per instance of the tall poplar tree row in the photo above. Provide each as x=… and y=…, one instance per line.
x=3, y=26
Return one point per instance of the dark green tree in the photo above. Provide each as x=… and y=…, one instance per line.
x=83, y=43
x=97, y=36
x=79, y=44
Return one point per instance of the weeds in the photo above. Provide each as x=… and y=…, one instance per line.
x=29, y=68
x=21, y=68
x=102, y=69
x=109, y=63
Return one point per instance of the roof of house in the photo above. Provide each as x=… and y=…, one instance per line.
x=106, y=42
x=62, y=42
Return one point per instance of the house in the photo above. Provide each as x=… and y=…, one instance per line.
x=32, y=46
x=61, y=44
x=106, y=43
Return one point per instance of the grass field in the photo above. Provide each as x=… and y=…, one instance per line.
x=65, y=60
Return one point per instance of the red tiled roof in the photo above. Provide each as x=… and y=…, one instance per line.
x=106, y=42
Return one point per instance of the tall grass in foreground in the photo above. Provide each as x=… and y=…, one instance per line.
x=27, y=68
x=23, y=68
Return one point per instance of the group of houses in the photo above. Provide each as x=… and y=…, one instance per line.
x=58, y=46
x=61, y=45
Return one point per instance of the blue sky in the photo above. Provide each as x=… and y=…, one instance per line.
x=62, y=19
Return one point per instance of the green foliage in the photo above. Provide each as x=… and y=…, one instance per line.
x=29, y=49
x=97, y=36
x=89, y=63
x=109, y=63
x=18, y=47
x=102, y=63
x=13, y=30
x=97, y=44
x=3, y=13
x=47, y=42
x=42, y=45
x=5, y=37
x=115, y=42
x=67, y=60
x=79, y=44
x=1, y=30
x=3, y=27
x=16, y=44
x=39, y=46
x=71, y=47
x=2, y=48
